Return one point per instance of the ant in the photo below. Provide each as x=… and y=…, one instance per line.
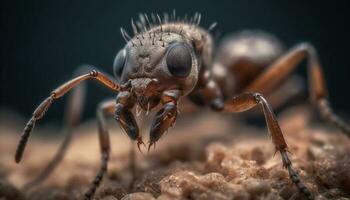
x=168, y=59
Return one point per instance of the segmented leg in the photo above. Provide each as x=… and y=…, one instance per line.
x=51, y=166
x=125, y=117
x=73, y=112
x=246, y=101
x=104, y=109
x=57, y=93
x=127, y=122
x=165, y=117
x=282, y=68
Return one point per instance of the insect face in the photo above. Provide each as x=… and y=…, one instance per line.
x=154, y=62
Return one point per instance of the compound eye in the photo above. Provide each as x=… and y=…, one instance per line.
x=179, y=60
x=119, y=62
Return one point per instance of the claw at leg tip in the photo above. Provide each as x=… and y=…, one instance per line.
x=150, y=145
x=139, y=142
x=138, y=146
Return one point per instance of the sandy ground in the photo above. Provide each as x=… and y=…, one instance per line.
x=205, y=156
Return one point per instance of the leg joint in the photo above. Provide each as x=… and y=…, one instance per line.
x=93, y=73
x=258, y=97
x=307, y=47
x=285, y=159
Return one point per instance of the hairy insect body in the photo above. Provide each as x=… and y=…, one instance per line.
x=150, y=48
x=166, y=61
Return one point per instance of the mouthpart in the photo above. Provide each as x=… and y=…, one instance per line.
x=146, y=93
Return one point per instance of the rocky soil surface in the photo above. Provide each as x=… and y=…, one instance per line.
x=205, y=156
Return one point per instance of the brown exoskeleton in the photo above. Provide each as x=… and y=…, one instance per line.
x=172, y=59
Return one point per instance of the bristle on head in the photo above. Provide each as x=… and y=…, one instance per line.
x=212, y=26
x=146, y=23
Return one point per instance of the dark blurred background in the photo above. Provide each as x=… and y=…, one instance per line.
x=42, y=42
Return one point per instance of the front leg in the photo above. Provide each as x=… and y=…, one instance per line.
x=126, y=119
x=55, y=95
x=247, y=101
x=165, y=117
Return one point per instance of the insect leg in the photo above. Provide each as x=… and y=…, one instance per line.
x=104, y=109
x=246, y=101
x=73, y=112
x=57, y=93
x=128, y=123
x=125, y=117
x=165, y=117
x=207, y=92
x=285, y=65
